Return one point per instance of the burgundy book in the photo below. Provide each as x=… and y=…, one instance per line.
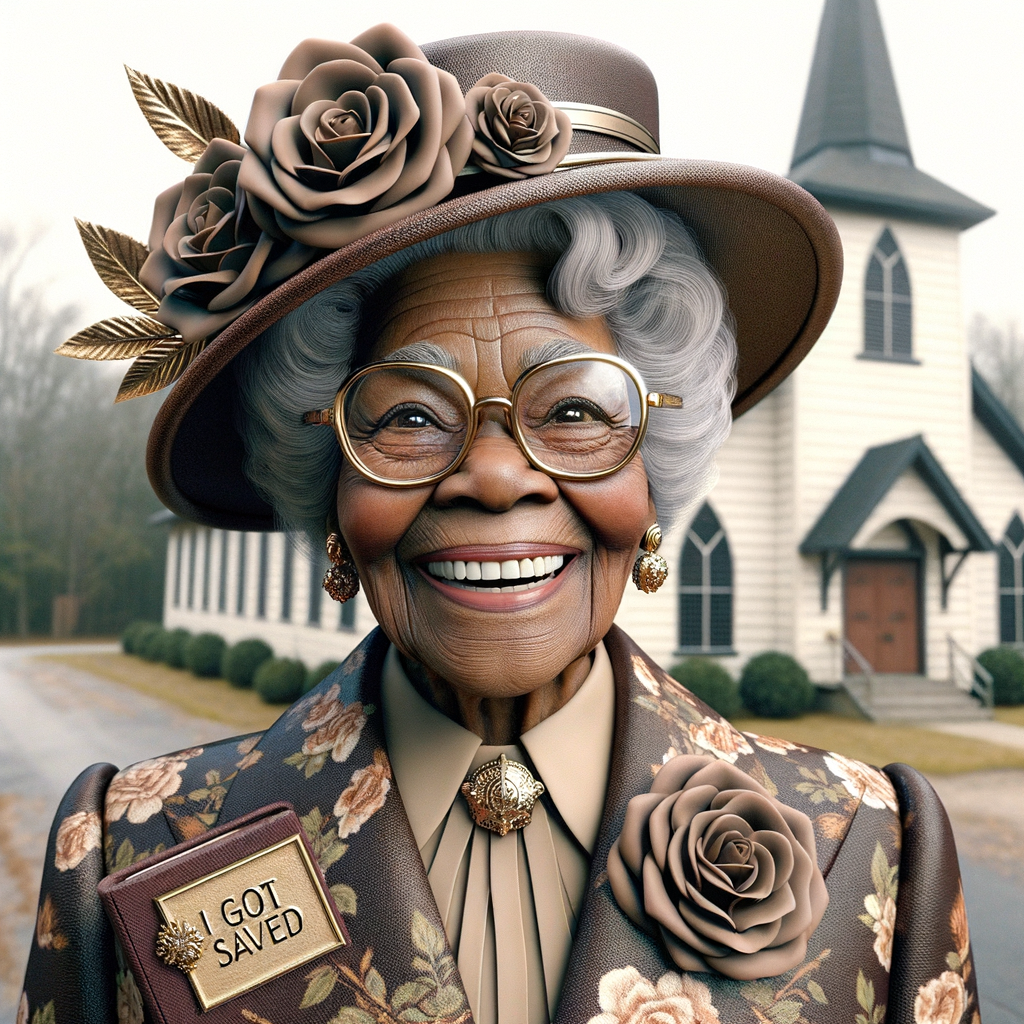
x=228, y=925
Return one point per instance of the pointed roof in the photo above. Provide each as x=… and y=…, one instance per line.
x=852, y=147
x=851, y=96
x=997, y=419
x=871, y=480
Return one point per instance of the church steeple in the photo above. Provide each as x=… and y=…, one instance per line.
x=851, y=96
x=852, y=148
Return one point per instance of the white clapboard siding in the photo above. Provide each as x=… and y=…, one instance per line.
x=746, y=499
x=997, y=493
x=293, y=637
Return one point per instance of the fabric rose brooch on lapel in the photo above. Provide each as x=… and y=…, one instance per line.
x=717, y=869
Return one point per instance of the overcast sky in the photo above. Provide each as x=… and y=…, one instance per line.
x=731, y=75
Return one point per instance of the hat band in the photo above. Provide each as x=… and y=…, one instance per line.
x=589, y=118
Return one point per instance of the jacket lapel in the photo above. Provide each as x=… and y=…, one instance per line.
x=327, y=756
x=605, y=938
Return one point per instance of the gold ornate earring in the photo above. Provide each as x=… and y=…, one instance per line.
x=650, y=570
x=341, y=581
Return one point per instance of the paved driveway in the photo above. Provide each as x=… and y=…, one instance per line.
x=55, y=721
x=987, y=812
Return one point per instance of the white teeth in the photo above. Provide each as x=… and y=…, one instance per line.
x=532, y=570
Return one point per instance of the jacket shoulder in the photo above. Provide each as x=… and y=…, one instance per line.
x=167, y=799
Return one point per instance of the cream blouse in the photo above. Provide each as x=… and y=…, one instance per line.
x=509, y=903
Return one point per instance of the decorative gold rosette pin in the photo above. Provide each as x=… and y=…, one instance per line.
x=180, y=944
x=501, y=795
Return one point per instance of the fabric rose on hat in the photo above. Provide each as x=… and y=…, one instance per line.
x=724, y=874
x=352, y=137
x=518, y=132
x=209, y=260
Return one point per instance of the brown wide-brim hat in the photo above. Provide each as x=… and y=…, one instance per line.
x=773, y=246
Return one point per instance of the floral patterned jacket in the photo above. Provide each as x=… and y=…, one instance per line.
x=892, y=946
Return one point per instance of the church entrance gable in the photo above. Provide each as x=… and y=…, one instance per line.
x=883, y=613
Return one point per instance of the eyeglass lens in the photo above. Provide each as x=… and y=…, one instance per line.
x=576, y=418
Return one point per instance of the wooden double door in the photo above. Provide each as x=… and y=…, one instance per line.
x=883, y=613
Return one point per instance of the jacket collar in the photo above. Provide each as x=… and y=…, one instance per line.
x=378, y=859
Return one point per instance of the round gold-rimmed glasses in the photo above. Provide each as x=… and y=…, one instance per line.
x=576, y=417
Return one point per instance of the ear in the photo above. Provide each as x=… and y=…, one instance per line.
x=652, y=512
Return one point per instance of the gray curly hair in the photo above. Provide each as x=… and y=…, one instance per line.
x=615, y=255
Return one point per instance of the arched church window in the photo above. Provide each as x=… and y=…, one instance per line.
x=1011, y=583
x=705, y=587
x=887, y=305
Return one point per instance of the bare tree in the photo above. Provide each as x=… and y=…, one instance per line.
x=73, y=494
x=998, y=354
x=31, y=386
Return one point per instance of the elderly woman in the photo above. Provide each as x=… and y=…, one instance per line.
x=485, y=399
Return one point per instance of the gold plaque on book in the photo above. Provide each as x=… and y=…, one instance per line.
x=259, y=918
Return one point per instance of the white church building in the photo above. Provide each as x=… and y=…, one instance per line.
x=867, y=517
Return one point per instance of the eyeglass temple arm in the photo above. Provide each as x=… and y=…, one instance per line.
x=319, y=417
x=657, y=400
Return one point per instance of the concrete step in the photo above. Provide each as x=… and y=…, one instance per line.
x=908, y=698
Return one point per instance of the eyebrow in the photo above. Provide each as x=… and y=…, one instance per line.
x=551, y=350
x=423, y=352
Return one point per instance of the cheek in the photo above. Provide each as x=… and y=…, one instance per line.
x=374, y=519
x=617, y=510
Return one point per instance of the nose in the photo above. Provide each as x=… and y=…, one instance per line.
x=495, y=473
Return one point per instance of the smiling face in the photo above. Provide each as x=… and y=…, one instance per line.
x=490, y=315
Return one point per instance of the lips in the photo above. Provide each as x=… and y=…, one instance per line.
x=509, y=576
x=482, y=575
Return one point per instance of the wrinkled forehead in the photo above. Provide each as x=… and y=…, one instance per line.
x=479, y=307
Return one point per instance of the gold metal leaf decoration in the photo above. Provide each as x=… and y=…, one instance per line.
x=160, y=366
x=118, y=259
x=118, y=337
x=184, y=122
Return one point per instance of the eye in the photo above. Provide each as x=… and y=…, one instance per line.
x=406, y=418
x=576, y=410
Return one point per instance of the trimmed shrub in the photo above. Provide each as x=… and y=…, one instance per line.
x=152, y=644
x=1007, y=669
x=774, y=685
x=174, y=647
x=134, y=633
x=241, y=661
x=203, y=654
x=315, y=676
x=708, y=681
x=280, y=680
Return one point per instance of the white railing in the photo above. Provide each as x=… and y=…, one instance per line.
x=847, y=650
x=966, y=673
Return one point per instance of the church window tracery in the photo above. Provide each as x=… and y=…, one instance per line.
x=705, y=587
x=1011, y=583
x=887, y=302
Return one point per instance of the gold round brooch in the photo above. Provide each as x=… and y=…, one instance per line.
x=179, y=944
x=501, y=795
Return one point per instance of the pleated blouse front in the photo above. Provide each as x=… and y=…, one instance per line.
x=509, y=903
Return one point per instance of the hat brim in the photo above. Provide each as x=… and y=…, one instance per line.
x=772, y=244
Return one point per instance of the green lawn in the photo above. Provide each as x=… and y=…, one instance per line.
x=1012, y=716
x=929, y=752
x=217, y=699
